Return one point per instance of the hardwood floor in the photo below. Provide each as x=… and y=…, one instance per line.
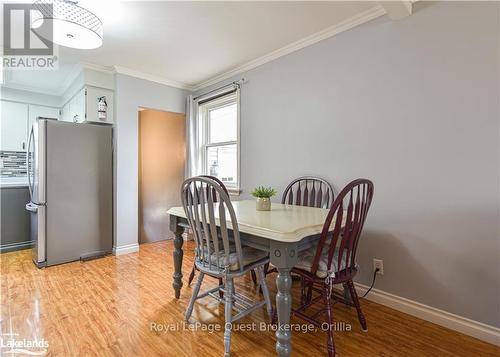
x=117, y=306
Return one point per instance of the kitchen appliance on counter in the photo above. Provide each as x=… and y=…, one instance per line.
x=70, y=179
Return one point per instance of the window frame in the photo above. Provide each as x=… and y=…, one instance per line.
x=205, y=144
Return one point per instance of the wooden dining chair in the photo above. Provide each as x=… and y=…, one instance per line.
x=310, y=191
x=216, y=255
x=215, y=198
x=334, y=259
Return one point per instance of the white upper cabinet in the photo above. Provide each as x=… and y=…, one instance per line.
x=36, y=111
x=77, y=107
x=65, y=113
x=74, y=110
x=91, y=104
x=14, y=121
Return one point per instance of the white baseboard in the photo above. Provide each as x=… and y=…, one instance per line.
x=490, y=334
x=126, y=249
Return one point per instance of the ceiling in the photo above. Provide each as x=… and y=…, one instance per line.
x=189, y=43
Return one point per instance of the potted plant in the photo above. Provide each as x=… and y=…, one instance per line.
x=263, y=195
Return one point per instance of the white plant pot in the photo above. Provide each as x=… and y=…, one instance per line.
x=263, y=204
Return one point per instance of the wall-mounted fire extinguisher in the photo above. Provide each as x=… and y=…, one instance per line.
x=102, y=108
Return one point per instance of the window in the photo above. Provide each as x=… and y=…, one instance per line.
x=220, y=139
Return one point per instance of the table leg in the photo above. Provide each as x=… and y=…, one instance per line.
x=178, y=254
x=283, y=256
x=284, y=307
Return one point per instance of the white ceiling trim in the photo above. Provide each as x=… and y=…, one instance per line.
x=345, y=25
x=397, y=9
x=32, y=89
x=99, y=68
x=152, y=78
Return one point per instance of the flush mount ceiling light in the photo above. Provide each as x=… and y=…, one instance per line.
x=72, y=25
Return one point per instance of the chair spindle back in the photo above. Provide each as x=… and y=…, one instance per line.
x=349, y=210
x=199, y=198
x=309, y=191
x=221, y=184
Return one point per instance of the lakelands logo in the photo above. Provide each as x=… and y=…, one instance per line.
x=23, y=47
x=9, y=343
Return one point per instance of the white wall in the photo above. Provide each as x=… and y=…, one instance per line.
x=132, y=93
x=414, y=106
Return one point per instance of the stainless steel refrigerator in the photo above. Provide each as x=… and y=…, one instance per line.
x=70, y=176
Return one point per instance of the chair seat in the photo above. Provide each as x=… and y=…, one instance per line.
x=305, y=261
x=250, y=255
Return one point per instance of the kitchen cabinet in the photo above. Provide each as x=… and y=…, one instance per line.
x=13, y=123
x=35, y=111
x=74, y=109
x=77, y=107
x=90, y=104
x=16, y=122
x=15, y=220
x=65, y=112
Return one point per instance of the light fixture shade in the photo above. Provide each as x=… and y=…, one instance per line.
x=73, y=26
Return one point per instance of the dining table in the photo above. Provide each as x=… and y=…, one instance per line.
x=283, y=232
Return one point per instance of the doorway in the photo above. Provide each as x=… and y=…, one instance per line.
x=162, y=156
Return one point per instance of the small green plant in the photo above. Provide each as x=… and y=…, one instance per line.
x=264, y=192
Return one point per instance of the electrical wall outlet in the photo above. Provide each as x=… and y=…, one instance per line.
x=378, y=264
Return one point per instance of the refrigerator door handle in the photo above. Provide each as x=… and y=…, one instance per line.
x=31, y=207
x=28, y=164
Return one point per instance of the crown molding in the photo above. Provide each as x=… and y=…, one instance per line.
x=8, y=83
x=152, y=78
x=397, y=9
x=98, y=67
x=32, y=89
x=345, y=25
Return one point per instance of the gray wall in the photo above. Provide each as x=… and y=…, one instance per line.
x=131, y=93
x=412, y=105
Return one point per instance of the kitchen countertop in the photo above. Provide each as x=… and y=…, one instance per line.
x=6, y=182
